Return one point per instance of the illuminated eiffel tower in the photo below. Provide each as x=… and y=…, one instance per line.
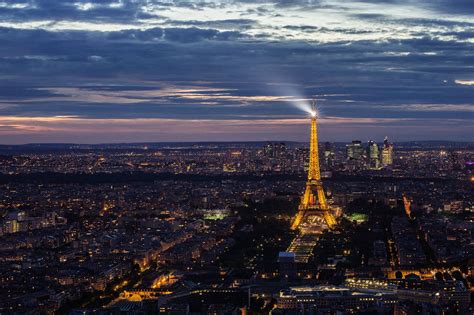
x=313, y=202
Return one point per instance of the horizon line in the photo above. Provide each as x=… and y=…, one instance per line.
x=217, y=142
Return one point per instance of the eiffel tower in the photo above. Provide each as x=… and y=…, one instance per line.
x=313, y=202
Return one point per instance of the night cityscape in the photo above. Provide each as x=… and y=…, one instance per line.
x=310, y=157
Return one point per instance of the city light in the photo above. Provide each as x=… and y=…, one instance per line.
x=236, y=157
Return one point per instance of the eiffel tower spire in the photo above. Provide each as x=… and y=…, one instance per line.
x=314, y=172
x=314, y=198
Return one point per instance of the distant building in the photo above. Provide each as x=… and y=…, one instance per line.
x=274, y=149
x=379, y=254
x=328, y=154
x=355, y=151
x=407, y=246
x=373, y=155
x=387, y=153
x=287, y=261
x=10, y=226
x=415, y=295
x=333, y=300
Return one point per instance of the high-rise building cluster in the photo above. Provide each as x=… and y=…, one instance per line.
x=371, y=156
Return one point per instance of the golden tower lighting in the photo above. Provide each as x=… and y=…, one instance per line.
x=314, y=199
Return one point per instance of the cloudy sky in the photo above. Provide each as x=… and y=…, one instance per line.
x=143, y=70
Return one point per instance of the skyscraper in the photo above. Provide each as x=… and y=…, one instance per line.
x=373, y=155
x=387, y=153
x=355, y=151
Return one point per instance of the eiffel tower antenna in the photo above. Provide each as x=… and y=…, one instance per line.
x=313, y=108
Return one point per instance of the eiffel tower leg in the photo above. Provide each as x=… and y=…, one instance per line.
x=297, y=220
x=329, y=218
x=321, y=197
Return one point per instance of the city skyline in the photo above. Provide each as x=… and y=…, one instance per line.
x=88, y=229
x=172, y=71
x=236, y=157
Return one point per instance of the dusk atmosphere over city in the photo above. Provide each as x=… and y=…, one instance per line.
x=286, y=157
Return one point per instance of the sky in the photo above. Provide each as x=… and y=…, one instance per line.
x=104, y=71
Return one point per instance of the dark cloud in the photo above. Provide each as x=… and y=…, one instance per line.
x=230, y=23
x=364, y=73
x=315, y=29
x=446, y=6
x=15, y=93
x=465, y=7
x=128, y=11
x=118, y=74
x=183, y=35
x=305, y=28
